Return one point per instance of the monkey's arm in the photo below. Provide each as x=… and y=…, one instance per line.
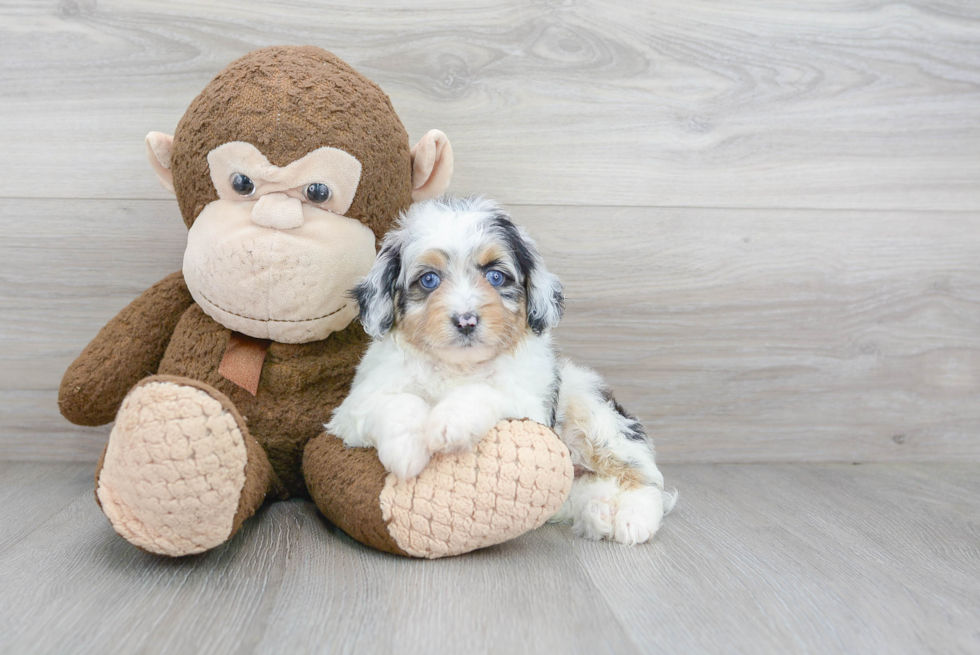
x=126, y=350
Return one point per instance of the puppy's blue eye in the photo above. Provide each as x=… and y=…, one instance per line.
x=429, y=281
x=495, y=277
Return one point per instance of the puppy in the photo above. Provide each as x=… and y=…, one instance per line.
x=461, y=307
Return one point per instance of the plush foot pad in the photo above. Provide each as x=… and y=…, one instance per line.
x=516, y=480
x=174, y=470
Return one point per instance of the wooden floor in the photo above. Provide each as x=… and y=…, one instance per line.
x=808, y=558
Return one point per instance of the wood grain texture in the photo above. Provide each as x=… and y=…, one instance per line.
x=833, y=318
x=851, y=104
x=288, y=583
x=749, y=335
x=755, y=559
x=817, y=559
x=66, y=270
x=31, y=495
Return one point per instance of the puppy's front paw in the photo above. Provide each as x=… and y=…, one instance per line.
x=403, y=454
x=455, y=427
x=639, y=515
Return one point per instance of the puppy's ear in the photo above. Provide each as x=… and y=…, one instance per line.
x=375, y=294
x=545, y=293
x=545, y=297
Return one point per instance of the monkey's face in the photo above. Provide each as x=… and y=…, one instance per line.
x=288, y=168
x=274, y=256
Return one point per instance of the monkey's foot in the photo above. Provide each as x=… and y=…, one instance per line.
x=180, y=472
x=518, y=478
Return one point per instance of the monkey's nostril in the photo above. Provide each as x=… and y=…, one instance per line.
x=466, y=323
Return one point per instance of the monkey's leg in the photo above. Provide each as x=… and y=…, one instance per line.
x=516, y=480
x=180, y=473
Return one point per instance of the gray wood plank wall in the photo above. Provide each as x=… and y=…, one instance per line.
x=767, y=215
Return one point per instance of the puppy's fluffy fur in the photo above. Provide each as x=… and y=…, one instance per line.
x=461, y=307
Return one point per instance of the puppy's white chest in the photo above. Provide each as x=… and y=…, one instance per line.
x=434, y=383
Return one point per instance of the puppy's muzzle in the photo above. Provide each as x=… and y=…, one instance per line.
x=466, y=323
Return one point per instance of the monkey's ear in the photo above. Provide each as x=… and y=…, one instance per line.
x=432, y=165
x=159, y=147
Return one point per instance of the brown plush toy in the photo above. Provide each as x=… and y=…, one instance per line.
x=288, y=168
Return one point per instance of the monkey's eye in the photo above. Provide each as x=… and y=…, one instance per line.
x=495, y=277
x=429, y=281
x=242, y=185
x=318, y=192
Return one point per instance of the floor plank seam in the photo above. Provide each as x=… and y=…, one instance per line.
x=42, y=524
x=570, y=540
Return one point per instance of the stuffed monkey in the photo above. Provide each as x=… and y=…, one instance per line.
x=288, y=169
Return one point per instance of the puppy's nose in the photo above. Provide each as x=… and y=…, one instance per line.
x=278, y=211
x=466, y=323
